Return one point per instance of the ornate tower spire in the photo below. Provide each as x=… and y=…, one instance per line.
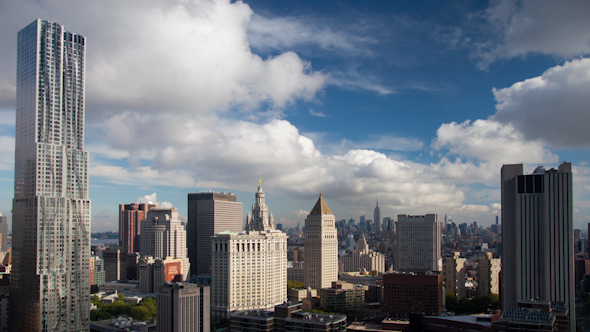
x=260, y=219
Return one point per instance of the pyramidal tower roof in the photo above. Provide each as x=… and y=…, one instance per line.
x=321, y=207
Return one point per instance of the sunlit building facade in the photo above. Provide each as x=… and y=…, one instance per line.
x=50, y=281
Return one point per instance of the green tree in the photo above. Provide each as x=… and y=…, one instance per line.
x=451, y=301
x=293, y=284
x=145, y=310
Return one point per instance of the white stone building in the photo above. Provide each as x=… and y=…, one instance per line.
x=321, y=247
x=249, y=270
x=363, y=258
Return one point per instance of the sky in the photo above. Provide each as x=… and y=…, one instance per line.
x=416, y=104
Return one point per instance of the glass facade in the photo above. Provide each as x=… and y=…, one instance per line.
x=50, y=282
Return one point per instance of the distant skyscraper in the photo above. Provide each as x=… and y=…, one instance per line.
x=418, y=246
x=130, y=217
x=50, y=280
x=3, y=233
x=321, y=247
x=164, y=236
x=537, y=236
x=377, y=218
x=249, y=271
x=208, y=214
x=387, y=224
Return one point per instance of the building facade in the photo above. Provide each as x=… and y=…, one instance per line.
x=153, y=272
x=363, y=258
x=115, y=265
x=537, y=236
x=342, y=297
x=208, y=214
x=296, y=272
x=3, y=234
x=164, y=236
x=249, y=270
x=418, y=246
x=183, y=307
x=50, y=281
x=287, y=317
x=455, y=274
x=321, y=247
x=488, y=274
x=99, y=273
x=405, y=293
x=130, y=217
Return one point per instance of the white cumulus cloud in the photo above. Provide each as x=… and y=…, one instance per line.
x=552, y=107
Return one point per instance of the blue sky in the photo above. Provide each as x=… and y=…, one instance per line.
x=414, y=103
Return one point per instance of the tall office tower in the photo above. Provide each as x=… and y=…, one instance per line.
x=208, y=214
x=377, y=218
x=183, y=307
x=537, y=236
x=488, y=274
x=50, y=282
x=321, y=247
x=386, y=224
x=130, y=217
x=249, y=270
x=455, y=274
x=418, y=243
x=3, y=233
x=164, y=236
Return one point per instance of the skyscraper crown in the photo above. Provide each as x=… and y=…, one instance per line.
x=321, y=207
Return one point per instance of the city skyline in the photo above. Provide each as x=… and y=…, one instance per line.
x=414, y=104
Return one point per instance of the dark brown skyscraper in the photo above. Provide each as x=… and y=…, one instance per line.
x=208, y=214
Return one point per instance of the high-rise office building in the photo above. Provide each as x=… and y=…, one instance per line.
x=418, y=246
x=50, y=281
x=164, y=236
x=321, y=247
x=249, y=270
x=537, y=236
x=130, y=217
x=377, y=218
x=208, y=214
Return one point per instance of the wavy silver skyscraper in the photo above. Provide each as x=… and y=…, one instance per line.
x=49, y=288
